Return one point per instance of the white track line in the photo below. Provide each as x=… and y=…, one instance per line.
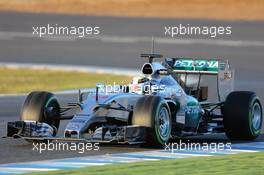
x=4, y=35
x=27, y=169
x=244, y=151
x=83, y=163
x=72, y=68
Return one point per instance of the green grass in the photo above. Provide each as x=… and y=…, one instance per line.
x=239, y=164
x=26, y=80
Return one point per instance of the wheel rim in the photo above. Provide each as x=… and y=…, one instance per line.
x=256, y=116
x=52, y=111
x=164, y=123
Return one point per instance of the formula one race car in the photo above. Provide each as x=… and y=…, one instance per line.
x=167, y=101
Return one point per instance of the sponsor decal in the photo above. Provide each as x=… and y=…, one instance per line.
x=189, y=64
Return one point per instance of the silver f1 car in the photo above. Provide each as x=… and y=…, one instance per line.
x=167, y=101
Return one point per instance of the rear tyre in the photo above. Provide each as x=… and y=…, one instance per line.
x=153, y=112
x=242, y=115
x=42, y=107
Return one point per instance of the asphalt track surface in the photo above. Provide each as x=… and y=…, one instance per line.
x=119, y=45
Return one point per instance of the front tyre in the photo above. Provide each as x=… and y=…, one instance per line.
x=242, y=116
x=153, y=112
x=43, y=107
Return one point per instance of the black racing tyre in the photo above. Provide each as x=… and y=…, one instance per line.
x=41, y=107
x=153, y=112
x=242, y=115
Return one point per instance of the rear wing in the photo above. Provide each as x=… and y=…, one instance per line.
x=201, y=66
x=187, y=68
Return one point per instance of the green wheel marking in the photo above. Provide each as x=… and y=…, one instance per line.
x=48, y=102
x=253, y=130
x=158, y=137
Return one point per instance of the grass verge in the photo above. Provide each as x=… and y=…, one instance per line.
x=208, y=9
x=26, y=80
x=239, y=164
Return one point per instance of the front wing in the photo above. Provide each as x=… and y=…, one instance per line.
x=130, y=134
